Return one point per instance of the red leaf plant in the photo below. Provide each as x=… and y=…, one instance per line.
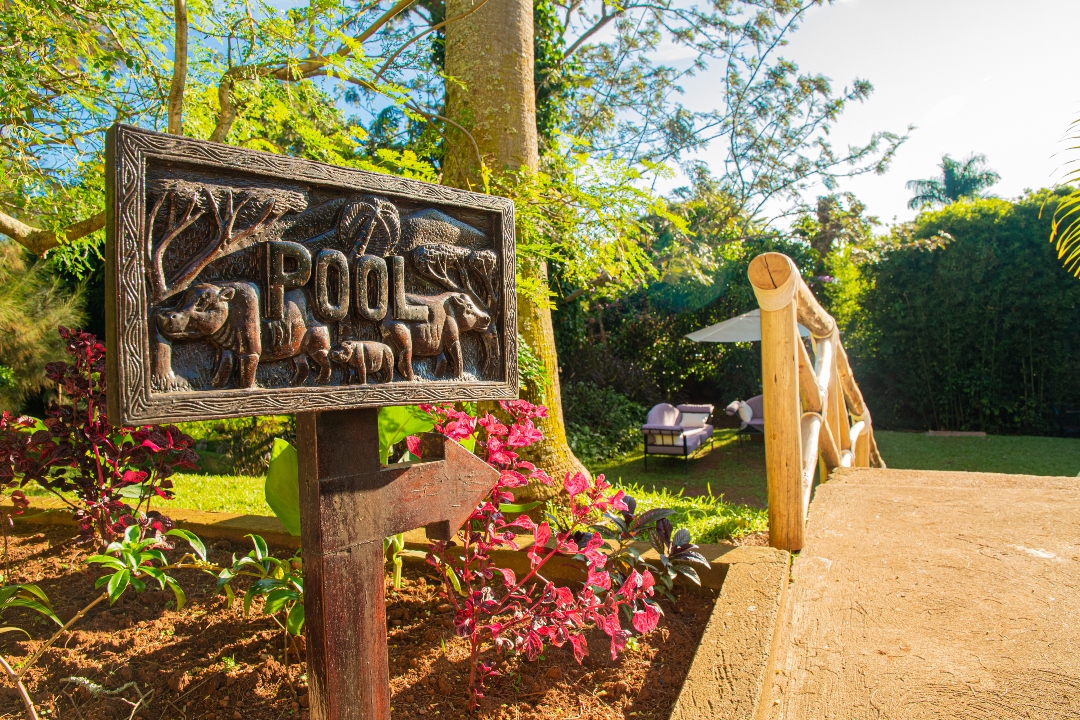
x=91, y=465
x=525, y=614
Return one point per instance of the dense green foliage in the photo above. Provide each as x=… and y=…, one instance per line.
x=968, y=322
x=634, y=342
x=601, y=423
x=238, y=446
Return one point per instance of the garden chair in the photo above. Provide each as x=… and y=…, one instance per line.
x=751, y=416
x=676, y=431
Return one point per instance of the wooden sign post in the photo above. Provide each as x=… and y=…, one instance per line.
x=348, y=505
x=243, y=283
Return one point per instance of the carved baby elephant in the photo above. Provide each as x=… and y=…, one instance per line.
x=227, y=314
x=448, y=315
x=362, y=357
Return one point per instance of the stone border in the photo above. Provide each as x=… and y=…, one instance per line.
x=730, y=677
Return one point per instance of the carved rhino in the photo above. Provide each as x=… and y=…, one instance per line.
x=227, y=315
x=448, y=316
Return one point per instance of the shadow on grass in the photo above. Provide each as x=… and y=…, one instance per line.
x=729, y=469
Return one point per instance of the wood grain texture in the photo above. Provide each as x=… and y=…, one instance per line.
x=348, y=504
x=783, y=435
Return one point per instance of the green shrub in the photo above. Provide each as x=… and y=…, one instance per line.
x=238, y=446
x=974, y=327
x=600, y=422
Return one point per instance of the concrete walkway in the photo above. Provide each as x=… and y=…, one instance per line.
x=935, y=595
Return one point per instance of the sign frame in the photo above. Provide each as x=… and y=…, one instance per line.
x=132, y=399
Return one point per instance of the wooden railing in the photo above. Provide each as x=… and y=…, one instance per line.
x=815, y=416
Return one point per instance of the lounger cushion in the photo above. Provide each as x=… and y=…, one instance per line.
x=663, y=414
x=671, y=444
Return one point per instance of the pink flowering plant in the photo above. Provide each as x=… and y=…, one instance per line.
x=108, y=475
x=492, y=605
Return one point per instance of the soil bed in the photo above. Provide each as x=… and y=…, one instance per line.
x=209, y=662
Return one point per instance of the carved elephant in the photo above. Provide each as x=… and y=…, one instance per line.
x=448, y=316
x=227, y=315
x=362, y=357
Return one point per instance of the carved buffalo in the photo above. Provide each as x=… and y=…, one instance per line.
x=362, y=357
x=227, y=315
x=448, y=315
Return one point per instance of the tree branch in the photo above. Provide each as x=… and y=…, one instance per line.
x=604, y=20
x=179, y=78
x=311, y=66
x=433, y=28
x=40, y=241
x=227, y=112
x=600, y=281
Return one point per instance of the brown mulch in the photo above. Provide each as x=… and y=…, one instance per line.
x=208, y=662
x=754, y=539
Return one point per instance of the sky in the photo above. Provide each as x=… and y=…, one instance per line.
x=993, y=77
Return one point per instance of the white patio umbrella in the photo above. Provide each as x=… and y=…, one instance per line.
x=743, y=328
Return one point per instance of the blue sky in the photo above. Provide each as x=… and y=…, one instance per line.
x=994, y=77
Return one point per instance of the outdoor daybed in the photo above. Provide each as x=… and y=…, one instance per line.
x=676, y=431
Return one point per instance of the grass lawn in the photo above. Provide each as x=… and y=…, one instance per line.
x=1011, y=454
x=731, y=472
x=724, y=492
x=221, y=493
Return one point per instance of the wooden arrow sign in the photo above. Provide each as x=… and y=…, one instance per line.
x=348, y=504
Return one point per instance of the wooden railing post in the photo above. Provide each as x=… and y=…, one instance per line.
x=774, y=284
x=814, y=412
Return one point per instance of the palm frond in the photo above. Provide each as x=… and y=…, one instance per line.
x=1065, y=226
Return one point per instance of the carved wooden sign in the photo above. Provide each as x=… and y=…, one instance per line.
x=247, y=283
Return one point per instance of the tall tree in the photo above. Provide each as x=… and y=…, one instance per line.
x=966, y=178
x=491, y=96
x=234, y=72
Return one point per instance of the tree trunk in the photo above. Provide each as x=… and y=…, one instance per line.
x=489, y=58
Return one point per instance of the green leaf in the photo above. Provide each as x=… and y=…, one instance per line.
x=283, y=485
x=181, y=598
x=154, y=555
x=526, y=507
x=35, y=591
x=193, y=540
x=261, y=550
x=397, y=423
x=14, y=629
x=107, y=561
x=118, y=583
x=135, y=492
x=131, y=534
x=294, y=623
x=453, y=578
x=469, y=443
x=154, y=573
x=278, y=599
x=36, y=607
